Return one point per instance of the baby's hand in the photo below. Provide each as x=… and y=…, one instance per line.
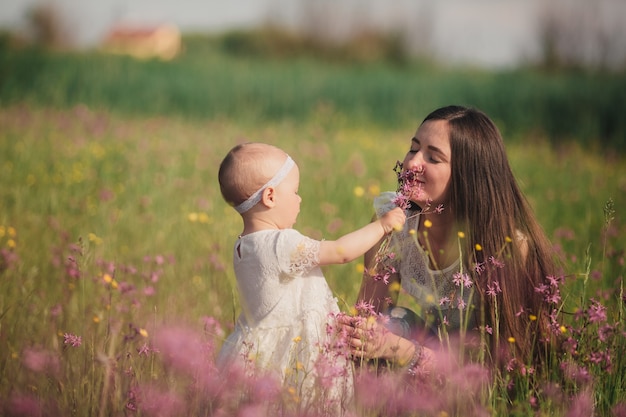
x=393, y=220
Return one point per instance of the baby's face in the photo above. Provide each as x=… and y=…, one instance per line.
x=288, y=200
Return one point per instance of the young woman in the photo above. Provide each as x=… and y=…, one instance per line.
x=471, y=253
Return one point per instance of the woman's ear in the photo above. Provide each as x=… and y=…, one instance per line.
x=268, y=197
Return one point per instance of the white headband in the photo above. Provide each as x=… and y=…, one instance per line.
x=276, y=179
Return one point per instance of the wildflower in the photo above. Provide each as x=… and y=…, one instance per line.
x=428, y=223
x=143, y=332
x=496, y=262
x=72, y=340
x=23, y=405
x=488, y=329
x=444, y=300
x=373, y=189
x=605, y=332
x=478, y=247
x=461, y=235
x=56, y=310
x=41, y=361
x=462, y=279
x=563, y=329
x=297, y=339
x=359, y=191
x=107, y=278
x=479, y=267
x=360, y=268
x=412, y=232
x=532, y=317
x=364, y=307
x=508, y=239
x=596, y=312
x=144, y=350
x=493, y=288
x=511, y=339
x=553, y=281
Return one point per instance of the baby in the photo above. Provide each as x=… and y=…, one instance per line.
x=286, y=302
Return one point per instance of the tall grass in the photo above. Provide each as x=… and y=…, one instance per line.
x=115, y=278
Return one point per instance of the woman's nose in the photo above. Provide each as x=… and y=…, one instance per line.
x=415, y=162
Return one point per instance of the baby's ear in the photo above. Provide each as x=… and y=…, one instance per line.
x=268, y=197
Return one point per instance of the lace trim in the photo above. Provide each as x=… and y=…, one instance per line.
x=305, y=256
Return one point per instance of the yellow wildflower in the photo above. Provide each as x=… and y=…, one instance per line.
x=461, y=235
x=428, y=223
x=143, y=332
x=297, y=339
x=478, y=247
x=395, y=286
x=511, y=339
x=532, y=317
x=359, y=191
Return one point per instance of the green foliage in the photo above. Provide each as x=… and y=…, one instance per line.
x=273, y=76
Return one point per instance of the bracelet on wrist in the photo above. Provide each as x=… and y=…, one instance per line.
x=416, y=359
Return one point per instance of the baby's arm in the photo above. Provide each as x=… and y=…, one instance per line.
x=349, y=247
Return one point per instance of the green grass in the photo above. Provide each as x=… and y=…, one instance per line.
x=207, y=81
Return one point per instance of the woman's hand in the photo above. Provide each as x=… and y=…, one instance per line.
x=369, y=339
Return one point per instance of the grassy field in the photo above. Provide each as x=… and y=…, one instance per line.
x=112, y=226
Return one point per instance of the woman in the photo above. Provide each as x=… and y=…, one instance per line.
x=472, y=255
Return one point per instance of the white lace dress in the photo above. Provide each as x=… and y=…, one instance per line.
x=286, y=306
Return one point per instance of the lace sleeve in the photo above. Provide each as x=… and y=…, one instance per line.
x=298, y=254
x=305, y=256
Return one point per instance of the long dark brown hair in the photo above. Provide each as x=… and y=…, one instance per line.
x=491, y=210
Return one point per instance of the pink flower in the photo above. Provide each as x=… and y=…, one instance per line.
x=597, y=312
x=72, y=340
x=41, y=361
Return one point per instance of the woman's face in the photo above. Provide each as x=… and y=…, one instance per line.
x=430, y=156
